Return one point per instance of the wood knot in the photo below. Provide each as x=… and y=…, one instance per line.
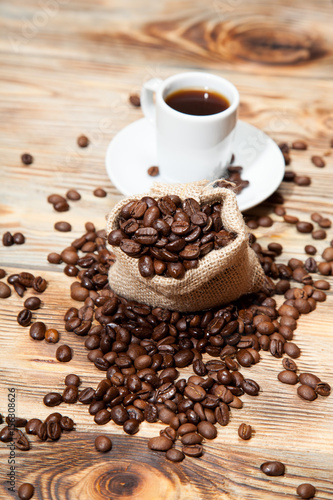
x=269, y=43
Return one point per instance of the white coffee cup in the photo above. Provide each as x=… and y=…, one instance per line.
x=190, y=147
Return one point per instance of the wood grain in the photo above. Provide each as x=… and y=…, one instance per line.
x=68, y=68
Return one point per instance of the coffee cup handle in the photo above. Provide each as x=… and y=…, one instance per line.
x=147, y=98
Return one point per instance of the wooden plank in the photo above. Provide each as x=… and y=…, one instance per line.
x=73, y=75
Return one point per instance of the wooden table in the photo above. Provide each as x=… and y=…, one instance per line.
x=68, y=68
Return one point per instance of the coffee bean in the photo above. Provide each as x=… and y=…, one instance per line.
x=250, y=387
x=26, y=159
x=83, y=141
x=304, y=227
x=24, y=317
x=306, y=392
x=87, y=396
x=134, y=99
x=62, y=226
x=52, y=399
x=70, y=394
x=159, y=443
x=328, y=254
x=207, y=430
x=302, y=180
x=37, y=330
x=309, y=379
x=103, y=444
x=5, y=290
x=323, y=389
x=54, y=258
x=55, y=198
x=319, y=234
x=72, y=379
x=66, y=424
x=102, y=417
x=100, y=193
x=174, y=455
x=194, y=451
x=153, y=171
x=292, y=350
x=245, y=431
x=16, y=421
x=289, y=364
x=273, y=468
x=299, y=145
x=32, y=303
x=18, y=238
x=306, y=490
x=288, y=377
x=61, y=206
x=53, y=417
x=53, y=430
x=79, y=293
x=64, y=353
x=131, y=426
x=318, y=161
x=265, y=221
x=26, y=490
x=39, y=284
x=310, y=249
x=7, y=239
x=73, y=195
x=32, y=426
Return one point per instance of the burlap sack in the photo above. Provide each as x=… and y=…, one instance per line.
x=222, y=275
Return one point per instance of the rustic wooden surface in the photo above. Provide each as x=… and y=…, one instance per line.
x=67, y=68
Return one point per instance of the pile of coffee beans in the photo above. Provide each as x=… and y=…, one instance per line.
x=168, y=236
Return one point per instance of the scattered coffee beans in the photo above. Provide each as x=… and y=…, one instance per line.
x=245, y=431
x=5, y=290
x=26, y=159
x=73, y=195
x=7, y=239
x=318, y=161
x=64, y=353
x=100, y=193
x=134, y=99
x=62, y=226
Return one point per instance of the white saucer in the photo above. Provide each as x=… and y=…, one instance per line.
x=133, y=150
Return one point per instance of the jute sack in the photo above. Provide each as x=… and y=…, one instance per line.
x=222, y=275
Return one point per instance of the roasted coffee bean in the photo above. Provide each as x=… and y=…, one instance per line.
x=102, y=417
x=55, y=198
x=103, y=444
x=134, y=99
x=309, y=379
x=54, y=258
x=323, y=389
x=322, y=285
x=7, y=239
x=245, y=431
x=21, y=441
x=289, y=364
x=207, y=430
x=288, y=377
x=146, y=266
x=70, y=394
x=195, y=392
x=222, y=414
x=299, y=145
x=73, y=195
x=53, y=430
x=27, y=159
x=37, y=330
x=306, y=490
x=72, y=379
x=304, y=227
x=306, y=392
x=174, y=455
x=64, y=353
x=79, y=293
x=310, y=249
x=52, y=399
x=53, y=417
x=191, y=438
x=66, y=424
x=5, y=290
x=32, y=426
x=82, y=141
x=153, y=171
x=39, y=284
x=194, y=451
x=302, y=180
x=131, y=426
x=250, y=387
x=6, y=434
x=87, y=395
x=42, y=431
x=160, y=443
x=318, y=161
x=26, y=490
x=52, y=336
x=16, y=421
x=32, y=303
x=319, y=234
x=18, y=238
x=24, y=317
x=265, y=221
x=273, y=468
x=292, y=350
x=62, y=226
x=61, y=206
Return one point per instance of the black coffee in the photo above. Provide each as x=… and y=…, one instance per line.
x=197, y=102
